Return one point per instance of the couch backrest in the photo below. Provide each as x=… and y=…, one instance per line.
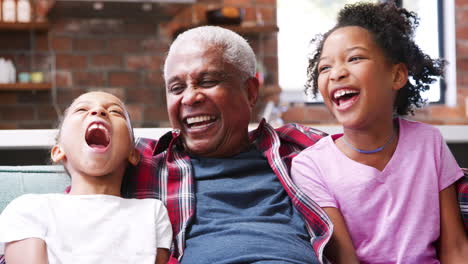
x=18, y=180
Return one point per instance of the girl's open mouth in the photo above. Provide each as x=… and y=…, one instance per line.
x=97, y=136
x=342, y=96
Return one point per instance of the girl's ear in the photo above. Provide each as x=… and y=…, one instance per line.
x=400, y=77
x=134, y=157
x=57, y=154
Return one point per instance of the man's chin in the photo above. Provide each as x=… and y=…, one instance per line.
x=199, y=151
x=206, y=147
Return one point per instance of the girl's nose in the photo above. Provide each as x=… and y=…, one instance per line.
x=99, y=111
x=338, y=73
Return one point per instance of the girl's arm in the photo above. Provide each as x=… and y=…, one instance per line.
x=29, y=250
x=162, y=256
x=453, y=239
x=340, y=248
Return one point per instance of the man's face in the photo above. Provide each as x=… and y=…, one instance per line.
x=208, y=100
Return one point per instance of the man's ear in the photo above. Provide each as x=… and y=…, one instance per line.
x=253, y=85
x=400, y=77
x=134, y=157
x=57, y=154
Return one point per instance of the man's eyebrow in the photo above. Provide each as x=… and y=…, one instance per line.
x=221, y=74
x=173, y=79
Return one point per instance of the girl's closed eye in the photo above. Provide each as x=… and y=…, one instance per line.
x=81, y=109
x=323, y=68
x=116, y=111
x=356, y=58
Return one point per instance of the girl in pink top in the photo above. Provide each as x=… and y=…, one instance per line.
x=386, y=183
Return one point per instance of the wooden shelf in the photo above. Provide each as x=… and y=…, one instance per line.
x=161, y=10
x=242, y=30
x=249, y=30
x=25, y=86
x=36, y=26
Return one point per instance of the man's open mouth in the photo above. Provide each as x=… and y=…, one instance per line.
x=343, y=95
x=199, y=121
x=97, y=136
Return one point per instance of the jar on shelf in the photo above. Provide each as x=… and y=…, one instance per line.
x=9, y=10
x=24, y=11
x=7, y=71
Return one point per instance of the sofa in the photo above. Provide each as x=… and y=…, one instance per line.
x=18, y=180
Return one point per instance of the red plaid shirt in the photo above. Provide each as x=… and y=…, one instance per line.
x=165, y=173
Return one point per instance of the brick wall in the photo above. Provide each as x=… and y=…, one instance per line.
x=123, y=56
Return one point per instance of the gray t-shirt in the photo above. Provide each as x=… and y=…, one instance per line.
x=243, y=215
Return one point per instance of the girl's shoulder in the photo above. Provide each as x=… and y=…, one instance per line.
x=29, y=198
x=27, y=204
x=146, y=202
x=418, y=129
x=323, y=143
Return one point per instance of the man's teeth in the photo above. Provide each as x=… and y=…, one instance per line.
x=198, y=119
x=343, y=92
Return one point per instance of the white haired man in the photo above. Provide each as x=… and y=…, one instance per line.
x=228, y=192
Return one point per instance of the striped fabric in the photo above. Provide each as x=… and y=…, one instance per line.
x=462, y=189
x=165, y=173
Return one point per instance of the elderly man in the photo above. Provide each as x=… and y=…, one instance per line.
x=228, y=192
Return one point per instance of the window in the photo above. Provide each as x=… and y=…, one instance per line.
x=301, y=21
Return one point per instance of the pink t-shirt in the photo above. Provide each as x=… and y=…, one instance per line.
x=392, y=215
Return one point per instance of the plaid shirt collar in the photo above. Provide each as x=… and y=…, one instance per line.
x=165, y=173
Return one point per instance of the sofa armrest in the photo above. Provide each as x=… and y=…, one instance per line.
x=18, y=180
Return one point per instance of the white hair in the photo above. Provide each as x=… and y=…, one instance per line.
x=235, y=48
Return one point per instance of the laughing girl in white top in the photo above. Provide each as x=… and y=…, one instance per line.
x=91, y=224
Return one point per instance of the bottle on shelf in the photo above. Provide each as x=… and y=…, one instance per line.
x=41, y=8
x=9, y=11
x=7, y=71
x=1, y=10
x=24, y=11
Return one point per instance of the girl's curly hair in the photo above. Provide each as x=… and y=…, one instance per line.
x=393, y=30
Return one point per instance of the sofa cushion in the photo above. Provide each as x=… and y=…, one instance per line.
x=18, y=180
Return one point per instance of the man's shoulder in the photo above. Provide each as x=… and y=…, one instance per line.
x=299, y=128
x=151, y=147
x=146, y=146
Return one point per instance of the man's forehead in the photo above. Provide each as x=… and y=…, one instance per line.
x=181, y=64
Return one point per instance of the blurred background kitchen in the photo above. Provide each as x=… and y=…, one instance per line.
x=53, y=50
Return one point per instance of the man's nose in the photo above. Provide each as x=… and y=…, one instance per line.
x=192, y=96
x=338, y=72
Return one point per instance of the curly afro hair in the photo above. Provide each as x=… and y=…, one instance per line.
x=392, y=29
